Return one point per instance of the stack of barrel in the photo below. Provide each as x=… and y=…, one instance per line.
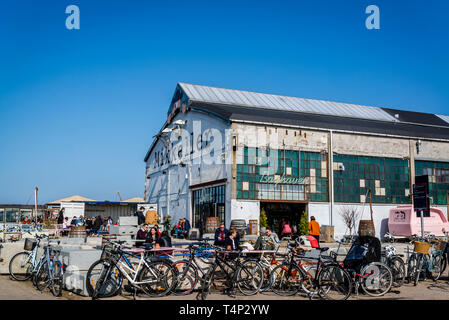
x=212, y=223
x=78, y=232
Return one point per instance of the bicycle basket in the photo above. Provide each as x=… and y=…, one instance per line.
x=30, y=244
x=421, y=247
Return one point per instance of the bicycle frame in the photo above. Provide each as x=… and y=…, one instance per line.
x=127, y=269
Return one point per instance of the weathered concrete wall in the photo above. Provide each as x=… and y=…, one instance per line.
x=278, y=138
x=370, y=146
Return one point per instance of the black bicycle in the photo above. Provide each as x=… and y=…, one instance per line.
x=234, y=271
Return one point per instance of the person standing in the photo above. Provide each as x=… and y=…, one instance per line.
x=186, y=228
x=140, y=216
x=61, y=216
x=314, y=229
x=286, y=230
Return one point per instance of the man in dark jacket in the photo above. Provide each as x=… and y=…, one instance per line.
x=140, y=216
x=221, y=234
x=186, y=228
x=61, y=216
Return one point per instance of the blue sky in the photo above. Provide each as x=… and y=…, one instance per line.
x=78, y=108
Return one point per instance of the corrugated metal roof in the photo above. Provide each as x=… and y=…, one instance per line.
x=445, y=118
x=276, y=102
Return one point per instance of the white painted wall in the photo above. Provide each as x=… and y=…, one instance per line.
x=245, y=209
x=171, y=190
x=380, y=216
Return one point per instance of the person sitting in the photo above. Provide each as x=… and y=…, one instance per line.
x=152, y=236
x=89, y=224
x=80, y=221
x=73, y=222
x=26, y=220
x=142, y=235
x=221, y=234
x=273, y=236
x=231, y=242
x=97, y=224
x=165, y=240
x=157, y=230
x=178, y=229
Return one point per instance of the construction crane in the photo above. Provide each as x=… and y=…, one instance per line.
x=119, y=196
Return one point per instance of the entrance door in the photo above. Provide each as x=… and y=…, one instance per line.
x=277, y=212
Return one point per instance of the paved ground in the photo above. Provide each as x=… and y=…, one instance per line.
x=426, y=290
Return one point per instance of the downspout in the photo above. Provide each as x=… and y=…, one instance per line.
x=331, y=177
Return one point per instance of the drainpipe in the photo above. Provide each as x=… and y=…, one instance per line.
x=331, y=177
x=168, y=191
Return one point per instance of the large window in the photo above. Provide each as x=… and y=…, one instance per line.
x=388, y=179
x=438, y=173
x=282, y=175
x=208, y=202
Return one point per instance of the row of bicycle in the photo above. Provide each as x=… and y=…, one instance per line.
x=203, y=268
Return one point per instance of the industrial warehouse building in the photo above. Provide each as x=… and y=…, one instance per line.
x=290, y=157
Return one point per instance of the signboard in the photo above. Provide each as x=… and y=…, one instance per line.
x=283, y=179
x=420, y=196
x=73, y=209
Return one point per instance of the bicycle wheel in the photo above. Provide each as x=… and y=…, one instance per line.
x=380, y=280
x=397, y=267
x=286, y=280
x=43, y=277
x=206, y=284
x=418, y=269
x=411, y=268
x=267, y=278
x=437, y=267
x=443, y=268
x=334, y=282
x=158, y=278
x=56, y=285
x=308, y=285
x=250, y=277
x=20, y=266
x=187, y=278
x=112, y=279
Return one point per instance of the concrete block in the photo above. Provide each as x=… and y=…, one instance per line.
x=80, y=259
x=122, y=230
x=127, y=221
x=94, y=241
x=75, y=281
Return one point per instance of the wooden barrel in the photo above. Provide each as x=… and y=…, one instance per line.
x=78, y=232
x=366, y=228
x=212, y=223
x=327, y=233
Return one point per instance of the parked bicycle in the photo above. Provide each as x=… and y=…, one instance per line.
x=152, y=276
x=50, y=271
x=328, y=279
x=394, y=261
x=192, y=269
x=24, y=264
x=426, y=259
x=235, y=271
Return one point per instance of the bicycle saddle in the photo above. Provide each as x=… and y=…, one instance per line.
x=323, y=249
